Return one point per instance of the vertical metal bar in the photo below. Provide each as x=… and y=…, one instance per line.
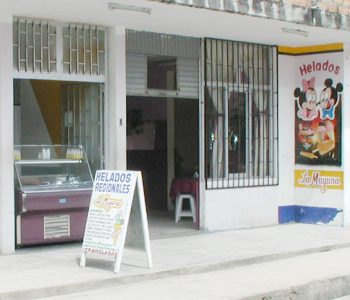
x=34, y=48
x=224, y=115
x=97, y=52
x=204, y=57
x=240, y=80
x=84, y=50
x=247, y=140
x=70, y=48
x=242, y=117
x=86, y=121
x=264, y=115
x=19, y=45
x=77, y=46
x=269, y=117
x=212, y=113
x=80, y=116
x=48, y=48
x=246, y=89
x=41, y=47
x=273, y=111
x=214, y=109
x=63, y=117
x=264, y=111
x=26, y=45
x=255, y=103
x=101, y=109
x=252, y=142
x=273, y=116
x=258, y=114
x=206, y=131
x=92, y=125
x=261, y=118
x=217, y=112
x=77, y=49
x=74, y=112
x=91, y=65
x=212, y=116
x=227, y=118
x=234, y=91
x=68, y=109
x=237, y=125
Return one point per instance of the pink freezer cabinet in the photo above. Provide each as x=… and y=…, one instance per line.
x=53, y=190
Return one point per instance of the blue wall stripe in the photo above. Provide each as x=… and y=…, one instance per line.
x=286, y=214
x=306, y=214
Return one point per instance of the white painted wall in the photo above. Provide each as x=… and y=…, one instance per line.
x=7, y=226
x=286, y=81
x=241, y=208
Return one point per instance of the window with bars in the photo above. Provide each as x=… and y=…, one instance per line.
x=240, y=114
x=34, y=46
x=83, y=49
x=38, y=45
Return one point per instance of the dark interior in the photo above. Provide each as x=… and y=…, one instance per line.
x=147, y=143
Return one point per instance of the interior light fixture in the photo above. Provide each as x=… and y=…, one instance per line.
x=295, y=31
x=119, y=6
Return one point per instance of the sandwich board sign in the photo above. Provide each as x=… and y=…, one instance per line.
x=113, y=196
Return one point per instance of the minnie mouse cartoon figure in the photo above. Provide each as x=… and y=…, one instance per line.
x=329, y=99
x=307, y=100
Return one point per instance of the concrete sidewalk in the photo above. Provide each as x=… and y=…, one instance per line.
x=49, y=271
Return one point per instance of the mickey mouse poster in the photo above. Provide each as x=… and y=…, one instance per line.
x=318, y=116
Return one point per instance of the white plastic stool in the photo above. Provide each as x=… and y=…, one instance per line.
x=179, y=212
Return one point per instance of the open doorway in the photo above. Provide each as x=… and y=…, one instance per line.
x=162, y=142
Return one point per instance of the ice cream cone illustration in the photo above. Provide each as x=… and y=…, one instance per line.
x=118, y=225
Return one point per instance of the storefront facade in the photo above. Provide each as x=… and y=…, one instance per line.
x=270, y=141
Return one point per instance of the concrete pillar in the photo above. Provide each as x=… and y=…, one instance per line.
x=346, y=134
x=116, y=103
x=7, y=217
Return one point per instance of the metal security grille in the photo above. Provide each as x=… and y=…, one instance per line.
x=240, y=114
x=82, y=109
x=83, y=49
x=34, y=46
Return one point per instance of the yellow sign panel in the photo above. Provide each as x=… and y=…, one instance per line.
x=316, y=179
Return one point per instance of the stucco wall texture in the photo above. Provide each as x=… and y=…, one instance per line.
x=334, y=14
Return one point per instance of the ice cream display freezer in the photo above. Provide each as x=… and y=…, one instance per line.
x=53, y=187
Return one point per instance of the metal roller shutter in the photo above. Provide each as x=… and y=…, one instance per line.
x=188, y=77
x=136, y=75
x=139, y=45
